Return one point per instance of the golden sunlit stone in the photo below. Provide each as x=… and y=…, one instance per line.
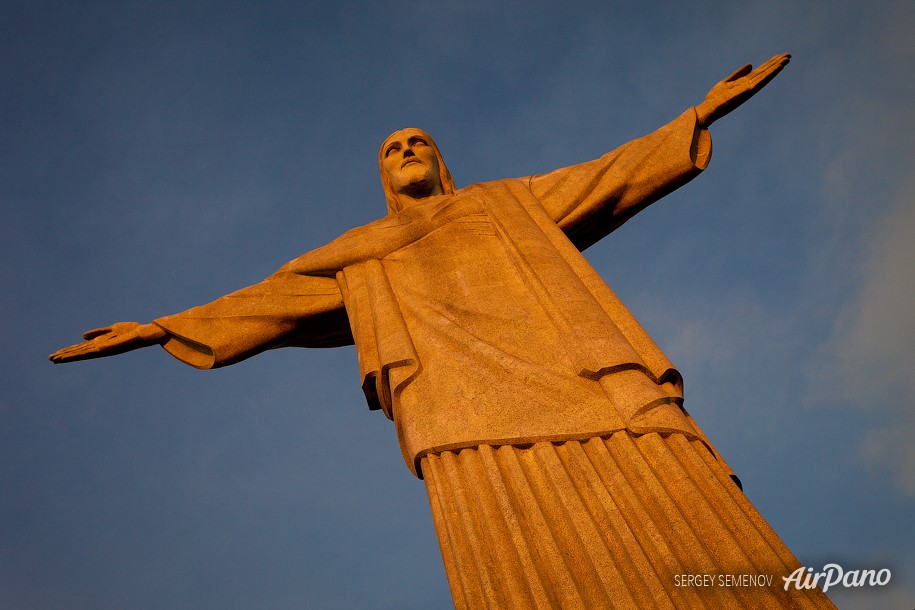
x=561, y=467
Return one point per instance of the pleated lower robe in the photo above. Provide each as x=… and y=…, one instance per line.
x=603, y=523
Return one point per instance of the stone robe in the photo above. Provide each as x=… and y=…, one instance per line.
x=474, y=315
x=561, y=468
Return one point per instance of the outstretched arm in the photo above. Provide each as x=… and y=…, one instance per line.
x=592, y=199
x=118, y=338
x=738, y=88
x=286, y=309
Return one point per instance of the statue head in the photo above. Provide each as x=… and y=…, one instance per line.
x=412, y=169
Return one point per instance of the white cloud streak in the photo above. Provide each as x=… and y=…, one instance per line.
x=872, y=351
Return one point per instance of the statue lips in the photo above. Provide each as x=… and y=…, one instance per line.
x=410, y=160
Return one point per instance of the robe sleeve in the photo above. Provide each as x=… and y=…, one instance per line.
x=590, y=200
x=285, y=310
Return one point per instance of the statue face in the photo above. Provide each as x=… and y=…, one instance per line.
x=411, y=164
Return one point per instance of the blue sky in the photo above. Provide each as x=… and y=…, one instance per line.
x=156, y=156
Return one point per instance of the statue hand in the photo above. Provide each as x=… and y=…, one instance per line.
x=738, y=88
x=110, y=340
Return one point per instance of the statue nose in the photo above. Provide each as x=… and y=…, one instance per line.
x=408, y=152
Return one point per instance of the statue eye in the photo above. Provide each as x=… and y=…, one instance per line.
x=390, y=149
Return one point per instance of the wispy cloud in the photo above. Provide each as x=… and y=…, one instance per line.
x=871, y=354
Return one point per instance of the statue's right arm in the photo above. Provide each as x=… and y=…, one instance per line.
x=286, y=309
x=118, y=338
x=300, y=305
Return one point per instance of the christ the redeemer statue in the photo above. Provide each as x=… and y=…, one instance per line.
x=561, y=467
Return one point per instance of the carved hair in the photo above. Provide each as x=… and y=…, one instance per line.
x=394, y=203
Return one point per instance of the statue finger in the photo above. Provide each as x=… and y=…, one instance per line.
x=74, y=352
x=82, y=348
x=775, y=63
x=96, y=332
x=782, y=58
x=59, y=356
x=760, y=78
x=739, y=72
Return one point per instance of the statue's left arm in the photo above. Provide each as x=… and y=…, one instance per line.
x=590, y=200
